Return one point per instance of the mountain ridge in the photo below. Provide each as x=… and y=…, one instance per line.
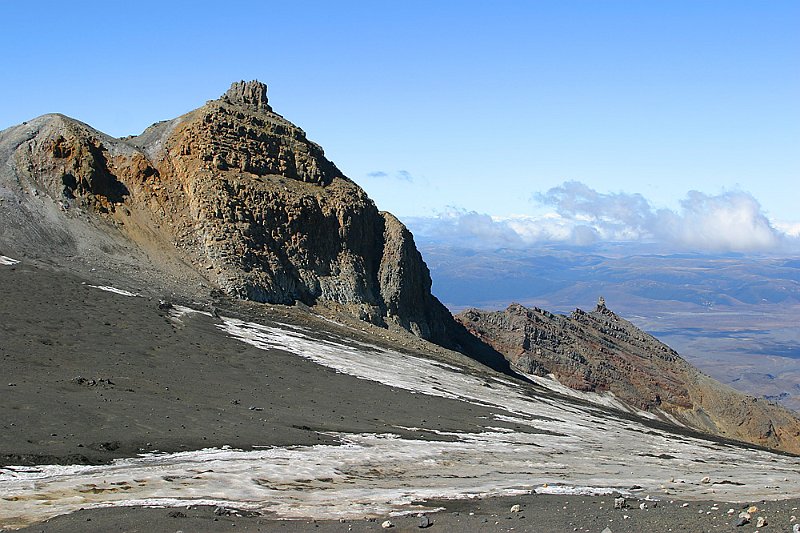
x=231, y=199
x=599, y=351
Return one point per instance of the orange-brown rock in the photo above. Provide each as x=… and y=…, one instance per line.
x=601, y=352
x=239, y=194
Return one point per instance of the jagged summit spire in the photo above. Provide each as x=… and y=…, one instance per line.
x=601, y=307
x=251, y=94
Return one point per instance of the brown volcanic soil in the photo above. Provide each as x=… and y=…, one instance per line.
x=231, y=195
x=90, y=376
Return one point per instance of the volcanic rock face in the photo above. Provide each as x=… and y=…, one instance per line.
x=592, y=352
x=241, y=193
x=599, y=351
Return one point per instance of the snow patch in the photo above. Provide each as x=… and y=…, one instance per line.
x=580, y=491
x=178, y=311
x=366, y=474
x=607, y=399
x=7, y=261
x=115, y=290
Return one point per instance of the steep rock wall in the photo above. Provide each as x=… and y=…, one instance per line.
x=240, y=194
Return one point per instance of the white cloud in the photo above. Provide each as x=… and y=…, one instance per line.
x=792, y=229
x=466, y=228
x=730, y=221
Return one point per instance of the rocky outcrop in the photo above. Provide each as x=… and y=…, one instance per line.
x=239, y=193
x=599, y=351
x=593, y=352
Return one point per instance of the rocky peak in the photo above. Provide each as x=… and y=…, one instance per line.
x=252, y=94
x=237, y=192
x=241, y=134
x=602, y=352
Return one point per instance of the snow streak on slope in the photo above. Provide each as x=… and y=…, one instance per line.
x=115, y=290
x=7, y=261
x=573, y=447
x=606, y=398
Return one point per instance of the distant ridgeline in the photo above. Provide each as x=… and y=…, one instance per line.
x=601, y=352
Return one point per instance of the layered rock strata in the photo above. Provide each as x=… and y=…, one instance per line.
x=235, y=198
x=240, y=193
x=601, y=352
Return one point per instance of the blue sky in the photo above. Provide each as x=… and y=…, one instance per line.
x=439, y=108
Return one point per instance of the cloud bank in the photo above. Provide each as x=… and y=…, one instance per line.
x=732, y=221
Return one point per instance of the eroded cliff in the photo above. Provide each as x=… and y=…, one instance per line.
x=239, y=195
x=599, y=351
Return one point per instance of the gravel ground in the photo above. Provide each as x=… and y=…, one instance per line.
x=537, y=513
x=90, y=376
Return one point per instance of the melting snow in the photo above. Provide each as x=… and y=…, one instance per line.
x=570, y=448
x=7, y=261
x=607, y=399
x=178, y=311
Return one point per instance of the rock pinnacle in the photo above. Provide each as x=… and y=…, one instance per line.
x=251, y=94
